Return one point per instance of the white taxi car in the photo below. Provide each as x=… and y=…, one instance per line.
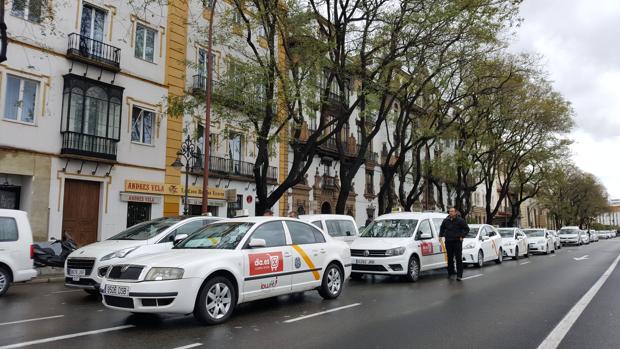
x=405, y=243
x=340, y=227
x=482, y=244
x=86, y=266
x=571, y=235
x=540, y=241
x=514, y=242
x=228, y=263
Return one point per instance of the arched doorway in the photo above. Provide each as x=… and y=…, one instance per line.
x=326, y=208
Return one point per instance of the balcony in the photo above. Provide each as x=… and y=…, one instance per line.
x=329, y=182
x=239, y=96
x=232, y=169
x=336, y=102
x=199, y=84
x=86, y=50
x=88, y=145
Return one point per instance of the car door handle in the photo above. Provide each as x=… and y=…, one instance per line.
x=287, y=254
x=323, y=250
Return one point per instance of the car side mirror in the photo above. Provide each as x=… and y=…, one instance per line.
x=257, y=243
x=426, y=236
x=484, y=238
x=180, y=237
x=348, y=233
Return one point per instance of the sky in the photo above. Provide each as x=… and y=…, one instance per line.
x=578, y=42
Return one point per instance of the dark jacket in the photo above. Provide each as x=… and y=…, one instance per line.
x=453, y=229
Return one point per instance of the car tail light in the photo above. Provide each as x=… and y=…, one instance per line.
x=31, y=251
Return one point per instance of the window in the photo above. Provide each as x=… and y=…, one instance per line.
x=301, y=233
x=142, y=125
x=138, y=212
x=424, y=229
x=340, y=228
x=437, y=222
x=370, y=185
x=93, y=22
x=490, y=231
x=20, y=99
x=202, y=61
x=91, y=107
x=318, y=224
x=31, y=10
x=8, y=229
x=272, y=233
x=145, y=43
x=234, y=206
x=207, y=3
x=234, y=151
x=9, y=196
x=186, y=228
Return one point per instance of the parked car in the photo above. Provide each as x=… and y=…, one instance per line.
x=482, y=244
x=86, y=266
x=16, y=263
x=593, y=235
x=228, y=263
x=570, y=235
x=403, y=243
x=602, y=234
x=540, y=241
x=514, y=242
x=340, y=227
x=585, y=237
x=556, y=239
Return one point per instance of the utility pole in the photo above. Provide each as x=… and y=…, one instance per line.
x=207, y=135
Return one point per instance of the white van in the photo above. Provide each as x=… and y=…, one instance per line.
x=15, y=249
x=340, y=227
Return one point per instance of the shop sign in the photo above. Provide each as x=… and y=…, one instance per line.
x=131, y=197
x=170, y=189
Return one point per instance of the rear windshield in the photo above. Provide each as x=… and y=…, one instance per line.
x=506, y=233
x=146, y=230
x=535, y=233
x=568, y=231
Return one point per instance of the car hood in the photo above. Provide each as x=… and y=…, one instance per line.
x=535, y=240
x=506, y=240
x=102, y=248
x=379, y=243
x=568, y=236
x=469, y=240
x=181, y=258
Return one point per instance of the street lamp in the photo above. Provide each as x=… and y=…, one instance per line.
x=189, y=153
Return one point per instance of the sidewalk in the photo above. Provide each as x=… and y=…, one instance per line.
x=46, y=274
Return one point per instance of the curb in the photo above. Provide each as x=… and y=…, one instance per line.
x=42, y=280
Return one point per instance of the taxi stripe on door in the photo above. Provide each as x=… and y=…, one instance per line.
x=308, y=261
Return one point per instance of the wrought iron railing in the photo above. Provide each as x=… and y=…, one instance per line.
x=227, y=167
x=94, y=51
x=199, y=82
x=88, y=145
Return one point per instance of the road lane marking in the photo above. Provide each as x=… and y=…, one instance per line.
x=556, y=336
x=524, y=263
x=67, y=336
x=66, y=291
x=472, y=276
x=30, y=320
x=581, y=258
x=189, y=346
x=319, y=313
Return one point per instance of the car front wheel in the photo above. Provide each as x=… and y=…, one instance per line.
x=480, y=259
x=5, y=281
x=413, y=271
x=500, y=257
x=216, y=301
x=331, y=287
x=516, y=253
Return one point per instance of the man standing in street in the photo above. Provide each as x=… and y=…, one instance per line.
x=453, y=230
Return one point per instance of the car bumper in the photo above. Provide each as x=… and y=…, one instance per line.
x=24, y=275
x=509, y=251
x=397, y=265
x=537, y=248
x=470, y=255
x=90, y=281
x=170, y=296
x=570, y=241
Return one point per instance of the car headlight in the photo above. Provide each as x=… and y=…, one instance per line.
x=158, y=274
x=470, y=245
x=395, y=251
x=119, y=254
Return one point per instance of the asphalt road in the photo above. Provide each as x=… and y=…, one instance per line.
x=512, y=305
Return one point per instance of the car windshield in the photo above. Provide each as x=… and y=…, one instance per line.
x=568, y=231
x=146, y=230
x=390, y=228
x=506, y=233
x=473, y=232
x=218, y=236
x=535, y=233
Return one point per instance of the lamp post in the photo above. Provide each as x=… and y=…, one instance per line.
x=188, y=152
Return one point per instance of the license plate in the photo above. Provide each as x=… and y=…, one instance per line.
x=113, y=290
x=363, y=261
x=76, y=273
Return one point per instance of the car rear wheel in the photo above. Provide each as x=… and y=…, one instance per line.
x=500, y=257
x=516, y=253
x=216, y=301
x=5, y=280
x=480, y=262
x=331, y=287
x=413, y=271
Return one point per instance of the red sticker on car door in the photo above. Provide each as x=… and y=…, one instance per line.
x=266, y=263
x=427, y=248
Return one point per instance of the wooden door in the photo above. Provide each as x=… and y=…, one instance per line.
x=81, y=210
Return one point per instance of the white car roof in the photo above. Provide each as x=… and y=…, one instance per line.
x=259, y=219
x=412, y=215
x=309, y=217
